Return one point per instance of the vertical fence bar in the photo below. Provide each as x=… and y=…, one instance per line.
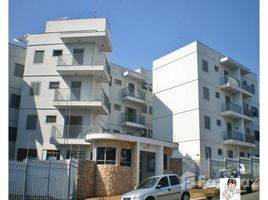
x=25, y=179
x=48, y=178
x=69, y=176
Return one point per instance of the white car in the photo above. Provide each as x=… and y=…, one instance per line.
x=164, y=187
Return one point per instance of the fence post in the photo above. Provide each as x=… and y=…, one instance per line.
x=209, y=167
x=239, y=165
x=251, y=166
x=25, y=179
x=48, y=178
x=69, y=176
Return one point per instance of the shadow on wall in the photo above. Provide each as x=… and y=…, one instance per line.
x=162, y=120
x=30, y=129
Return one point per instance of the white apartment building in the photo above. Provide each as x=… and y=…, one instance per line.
x=76, y=103
x=206, y=102
x=16, y=68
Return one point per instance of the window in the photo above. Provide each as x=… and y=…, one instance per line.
x=31, y=122
x=118, y=82
x=15, y=101
x=144, y=85
x=54, y=85
x=12, y=134
x=248, y=130
x=76, y=154
x=19, y=70
x=208, y=152
x=106, y=155
x=57, y=52
x=144, y=109
x=163, y=182
x=35, y=88
x=51, y=119
x=242, y=154
x=125, y=159
x=230, y=153
x=253, y=88
x=257, y=135
x=150, y=110
x=205, y=65
x=217, y=95
x=220, y=152
x=111, y=80
x=53, y=155
x=23, y=153
x=254, y=111
x=117, y=107
x=165, y=161
x=39, y=56
x=207, y=122
x=174, y=180
x=218, y=122
x=205, y=93
x=216, y=68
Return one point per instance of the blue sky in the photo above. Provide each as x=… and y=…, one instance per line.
x=143, y=30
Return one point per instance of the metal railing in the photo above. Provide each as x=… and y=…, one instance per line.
x=231, y=107
x=235, y=135
x=73, y=131
x=82, y=60
x=133, y=93
x=77, y=94
x=248, y=88
x=231, y=80
x=129, y=117
x=247, y=112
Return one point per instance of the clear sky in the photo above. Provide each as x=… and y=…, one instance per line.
x=143, y=30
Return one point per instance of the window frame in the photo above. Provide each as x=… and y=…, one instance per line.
x=36, y=59
x=127, y=157
x=13, y=101
x=105, y=161
x=28, y=121
x=55, y=54
x=118, y=82
x=18, y=72
x=34, y=90
x=53, y=82
x=205, y=122
x=208, y=153
x=49, y=121
x=206, y=93
x=205, y=66
x=117, y=107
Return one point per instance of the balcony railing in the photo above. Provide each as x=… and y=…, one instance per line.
x=77, y=94
x=248, y=88
x=231, y=107
x=134, y=118
x=83, y=60
x=73, y=131
x=133, y=93
x=231, y=80
x=235, y=135
x=247, y=112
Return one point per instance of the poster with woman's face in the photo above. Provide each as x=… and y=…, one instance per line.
x=230, y=189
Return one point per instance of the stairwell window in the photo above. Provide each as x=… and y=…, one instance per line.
x=208, y=152
x=15, y=101
x=35, y=88
x=106, y=156
x=31, y=123
x=54, y=85
x=57, y=52
x=39, y=56
x=19, y=70
x=205, y=93
x=205, y=65
x=207, y=122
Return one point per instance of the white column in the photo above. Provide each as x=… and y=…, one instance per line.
x=159, y=161
x=138, y=164
x=94, y=157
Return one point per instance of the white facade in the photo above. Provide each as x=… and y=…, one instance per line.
x=16, y=68
x=224, y=94
x=72, y=96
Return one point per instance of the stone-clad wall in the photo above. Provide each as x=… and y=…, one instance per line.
x=176, y=166
x=112, y=180
x=85, y=179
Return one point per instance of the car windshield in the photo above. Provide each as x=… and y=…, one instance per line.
x=148, y=183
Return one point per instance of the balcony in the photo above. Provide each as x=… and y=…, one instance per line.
x=232, y=110
x=133, y=120
x=80, y=64
x=136, y=96
x=230, y=84
x=237, y=138
x=72, y=134
x=248, y=90
x=91, y=98
x=248, y=113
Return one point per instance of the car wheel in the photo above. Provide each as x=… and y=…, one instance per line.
x=149, y=198
x=185, y=197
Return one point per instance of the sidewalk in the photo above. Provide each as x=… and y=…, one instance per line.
x=118, y=197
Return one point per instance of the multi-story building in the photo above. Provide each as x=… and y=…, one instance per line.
x=75, y=103
x=16, y=68
x=208, y=104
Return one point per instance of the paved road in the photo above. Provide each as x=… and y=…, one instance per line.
x=251, y=196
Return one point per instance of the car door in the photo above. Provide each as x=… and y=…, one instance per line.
x=175, y=187
x=163, y=189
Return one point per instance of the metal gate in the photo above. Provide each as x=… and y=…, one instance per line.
x=42, y=179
